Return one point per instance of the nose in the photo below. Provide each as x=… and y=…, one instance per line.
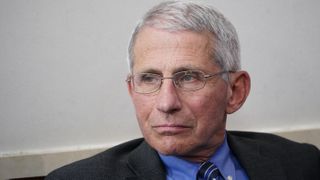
x=168, y=100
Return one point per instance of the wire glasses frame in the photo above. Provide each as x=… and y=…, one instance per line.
x=190, y=80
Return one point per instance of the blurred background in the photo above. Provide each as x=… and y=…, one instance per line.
x=63, y=68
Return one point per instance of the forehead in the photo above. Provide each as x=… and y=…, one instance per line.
x=155, y=48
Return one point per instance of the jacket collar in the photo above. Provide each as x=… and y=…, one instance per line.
x=146, y=164
x=255, y=159
x=258, y=162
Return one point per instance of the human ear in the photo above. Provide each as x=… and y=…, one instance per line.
x=239, y=88
x=129, y=85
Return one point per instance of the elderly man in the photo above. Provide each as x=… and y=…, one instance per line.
x=185, y=78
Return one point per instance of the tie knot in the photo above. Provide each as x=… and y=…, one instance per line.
x=208, y=171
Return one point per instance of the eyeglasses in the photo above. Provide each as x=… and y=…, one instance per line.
x=190, y=80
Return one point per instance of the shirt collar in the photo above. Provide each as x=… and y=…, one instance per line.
x=221, y=158
x=176, y=167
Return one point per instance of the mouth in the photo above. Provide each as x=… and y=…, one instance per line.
x=171, y=129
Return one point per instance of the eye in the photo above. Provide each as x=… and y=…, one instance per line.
x=147, y=78
x=187, y=77
x=190, y=76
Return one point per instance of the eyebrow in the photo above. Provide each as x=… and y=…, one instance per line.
x=150, y=70
x=179, y=69
x=184, y=68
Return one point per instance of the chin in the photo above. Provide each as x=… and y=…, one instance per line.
x=169, y=147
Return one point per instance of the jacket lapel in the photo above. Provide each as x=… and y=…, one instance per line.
x=256, y=160
x=146, y=164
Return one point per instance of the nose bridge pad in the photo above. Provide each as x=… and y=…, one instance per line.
x=172, y=81
x=172, y=90
x=168, y=100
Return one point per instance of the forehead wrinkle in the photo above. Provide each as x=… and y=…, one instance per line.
x=189, y=52
x=174, y=37
x=150, y=49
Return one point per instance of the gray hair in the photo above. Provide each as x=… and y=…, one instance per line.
x=180, y=16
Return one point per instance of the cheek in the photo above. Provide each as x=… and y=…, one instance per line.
x=204, y=103
x=143, y=106
x=208, y=108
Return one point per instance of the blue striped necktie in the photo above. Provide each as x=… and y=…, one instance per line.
x=209, y=171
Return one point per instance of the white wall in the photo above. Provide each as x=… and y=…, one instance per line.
x=63, y=65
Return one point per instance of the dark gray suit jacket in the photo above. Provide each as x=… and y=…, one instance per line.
x=263, y=156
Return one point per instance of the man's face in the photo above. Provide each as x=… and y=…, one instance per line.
x=176, y=122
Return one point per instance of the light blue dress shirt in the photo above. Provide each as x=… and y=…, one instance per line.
x=223, y=158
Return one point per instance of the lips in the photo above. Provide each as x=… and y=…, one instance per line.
x=171, y=129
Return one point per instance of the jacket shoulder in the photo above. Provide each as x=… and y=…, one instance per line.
x=270, y=140
x=295, y=158
x=104, y=165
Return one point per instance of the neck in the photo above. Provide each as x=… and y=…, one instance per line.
x=205, y=154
